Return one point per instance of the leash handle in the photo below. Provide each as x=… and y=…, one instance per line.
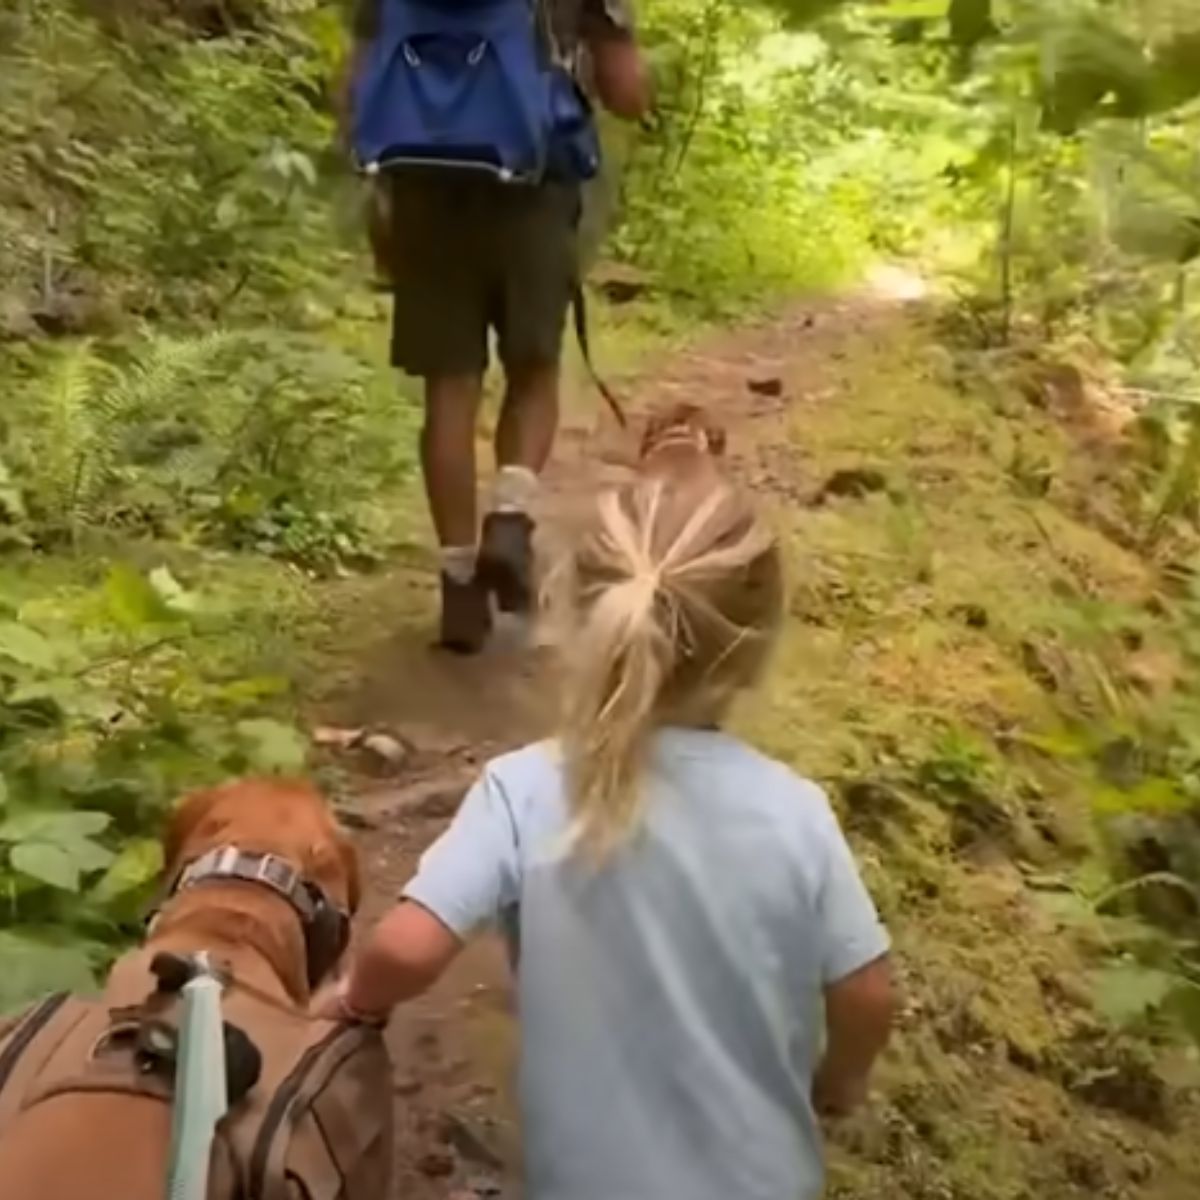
x=201, y=1095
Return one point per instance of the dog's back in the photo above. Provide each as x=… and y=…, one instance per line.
x=62, y=1142
x=74, y=1147
x=85, y=1108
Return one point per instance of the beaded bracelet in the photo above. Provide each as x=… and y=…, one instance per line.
x=352, y=1014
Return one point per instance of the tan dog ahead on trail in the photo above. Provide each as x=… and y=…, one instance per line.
x=259, y=876
x=684, y=446
x=680, y=443
x=680, y=440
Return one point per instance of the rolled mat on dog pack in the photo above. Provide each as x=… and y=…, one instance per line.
x=304, y=1116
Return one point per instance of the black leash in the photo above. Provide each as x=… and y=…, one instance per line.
x=579, y=308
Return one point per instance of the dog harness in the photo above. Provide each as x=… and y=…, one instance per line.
x=308, y=1101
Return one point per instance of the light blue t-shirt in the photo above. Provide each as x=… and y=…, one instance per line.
x=671, y=1001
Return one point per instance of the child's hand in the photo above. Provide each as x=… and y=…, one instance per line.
x=326, y=1002
x=331, y=1003
x=402, y=956
x=835, y=1097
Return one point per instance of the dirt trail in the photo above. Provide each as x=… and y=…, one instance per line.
x=454, y=1048
x=976, y=1102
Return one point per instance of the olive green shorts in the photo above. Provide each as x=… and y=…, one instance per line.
x=470, y=256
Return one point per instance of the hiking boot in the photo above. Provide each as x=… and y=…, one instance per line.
x=466, y=616
x=505, y=565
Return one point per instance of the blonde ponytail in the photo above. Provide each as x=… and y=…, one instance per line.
x=668, y=616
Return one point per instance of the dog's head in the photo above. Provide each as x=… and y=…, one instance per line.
x=284, y=817
x=226, y=850
x=679, y=430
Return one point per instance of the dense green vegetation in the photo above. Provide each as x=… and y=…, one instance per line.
x=1070, y=133
x=198, y=428
x=192, y=392
x=964, y=641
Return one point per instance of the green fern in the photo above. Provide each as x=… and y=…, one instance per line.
x=68, y=466
x=153, y=382
x=88, y=410
x=191, y=469
x=1154, y=879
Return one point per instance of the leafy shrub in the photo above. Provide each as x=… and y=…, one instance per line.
x=1137, y=756
x=105, y=718
x=276, y=443
x=1147, y=976
x=768, y=169
x=150, y=172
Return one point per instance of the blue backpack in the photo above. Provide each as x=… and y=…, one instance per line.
x=470, y=85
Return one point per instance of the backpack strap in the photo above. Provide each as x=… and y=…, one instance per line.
x=29, y=1046
x=548, y=43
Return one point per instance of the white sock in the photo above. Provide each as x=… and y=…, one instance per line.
x=514, y=489
x=458, y=563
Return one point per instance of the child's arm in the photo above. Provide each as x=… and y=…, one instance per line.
x=857, y=974
x=404, y=955
x=858, y=1020
x=465, y=880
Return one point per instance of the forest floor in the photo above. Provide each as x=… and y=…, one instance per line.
x=933, y=574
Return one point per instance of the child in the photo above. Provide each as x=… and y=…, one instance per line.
x=684, y=914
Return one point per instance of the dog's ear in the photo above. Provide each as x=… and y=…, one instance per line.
x=333, y=861
x=182, y=824
x=349, y=856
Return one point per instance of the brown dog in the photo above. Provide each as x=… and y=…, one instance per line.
x=93, y=1141
x=684, y=447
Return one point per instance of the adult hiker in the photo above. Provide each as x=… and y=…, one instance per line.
x=472, y=114
x=701, y=971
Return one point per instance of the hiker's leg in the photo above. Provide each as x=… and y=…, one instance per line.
x=439, y=334
x=528, y=417
x=448, y=465
x=539, y=273
x=448, y=455
x=524, y=439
